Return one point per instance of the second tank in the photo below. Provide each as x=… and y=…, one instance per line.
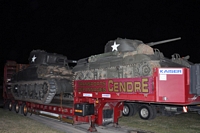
x=48, y=75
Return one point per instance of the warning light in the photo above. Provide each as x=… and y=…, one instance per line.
x=78, y=111
x=97, y=101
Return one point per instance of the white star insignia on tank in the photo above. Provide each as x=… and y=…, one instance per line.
x=114, y=46
x=33, y=58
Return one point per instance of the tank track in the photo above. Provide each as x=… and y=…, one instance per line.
x=40, y=91
x=124, y=71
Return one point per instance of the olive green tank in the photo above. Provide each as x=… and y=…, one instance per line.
x=48, y=76
x=126, y=58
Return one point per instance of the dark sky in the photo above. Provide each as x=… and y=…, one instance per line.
x=80, y=28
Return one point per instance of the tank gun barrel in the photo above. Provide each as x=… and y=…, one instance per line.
x=164, y=41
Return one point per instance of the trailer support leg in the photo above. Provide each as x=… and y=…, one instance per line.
x=117, y=113
x=116, y=125
x=92, y=127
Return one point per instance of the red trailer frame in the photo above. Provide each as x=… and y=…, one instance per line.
x=169, y=86
x=160, y=88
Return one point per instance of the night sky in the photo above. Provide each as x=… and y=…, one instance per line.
x=80, y=28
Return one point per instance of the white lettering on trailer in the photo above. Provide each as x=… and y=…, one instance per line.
x=106, y=95
x=87, y=94
x=170, y=71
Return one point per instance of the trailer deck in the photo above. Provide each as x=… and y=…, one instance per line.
x=102, y=101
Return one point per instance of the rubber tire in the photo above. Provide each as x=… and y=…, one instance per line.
x=24, y=109
x=10, y=106
x=17, y=108
x=130, y=109
x=154, y=112
x=134, y=108
x=148, y=110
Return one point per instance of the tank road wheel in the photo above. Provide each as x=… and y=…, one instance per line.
x=24, y=109
x=15, y=89
x=79, y=76
x=30, y=91
x=147, y=112
x=45, y=88
x=89, y=75
x=17, y=108
x=136, y=70
x=10, y=106
x=35, y=91
x=145, y=70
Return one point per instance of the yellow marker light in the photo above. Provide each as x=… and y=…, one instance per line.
x=97, y=101
x=78, y=111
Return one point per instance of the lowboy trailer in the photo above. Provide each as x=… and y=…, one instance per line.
x=101, y=102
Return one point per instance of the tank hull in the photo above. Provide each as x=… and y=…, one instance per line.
x=38, y=88
x=38, y=91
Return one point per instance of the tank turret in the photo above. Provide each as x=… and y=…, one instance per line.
x=124, y=58
x=122, y=45
x=47, y=76
x=125, y=45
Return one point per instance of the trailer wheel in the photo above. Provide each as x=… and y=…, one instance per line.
x=154, y=112
x=128, y=109
x=24, y=109
x=10, y=106
x=146, y=112
x=135, y=109
x=17, y=108
x=199, y=112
